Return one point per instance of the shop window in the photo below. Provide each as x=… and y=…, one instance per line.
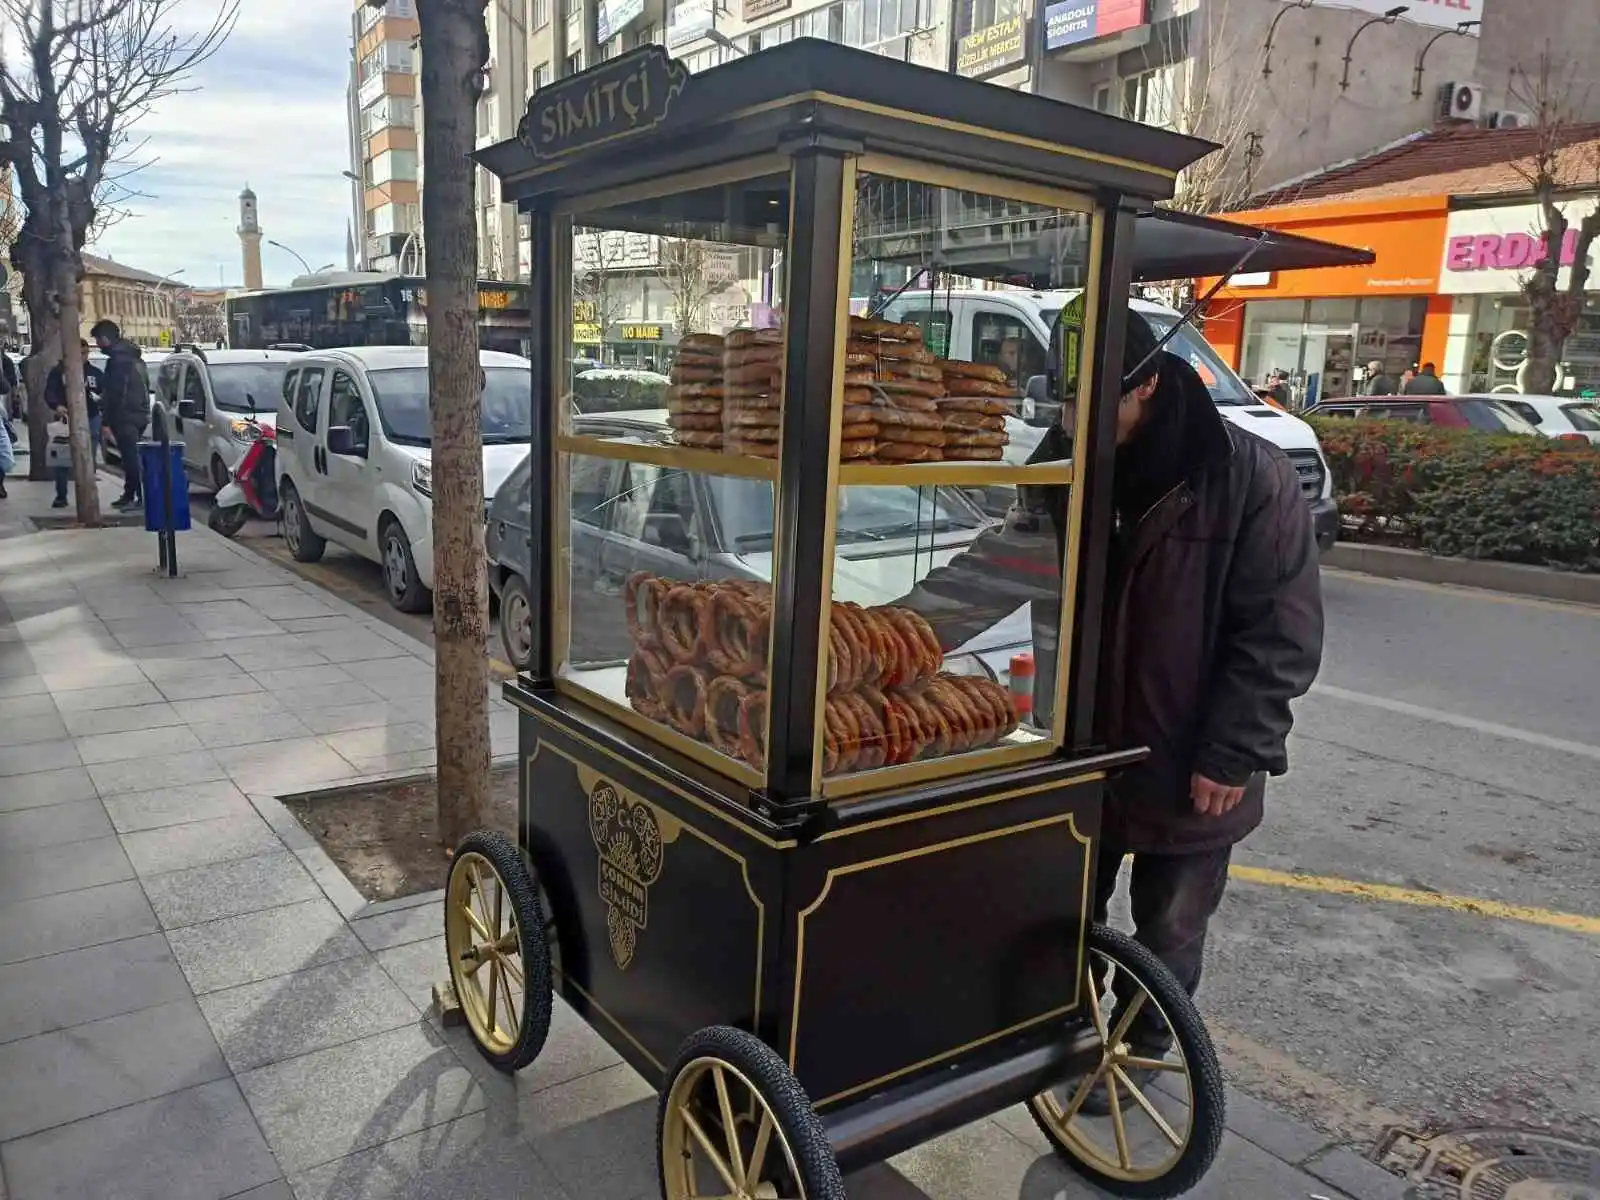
x=1152, y=96
x=1004, y=341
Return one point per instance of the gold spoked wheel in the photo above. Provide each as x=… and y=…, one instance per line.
x=734, y=1124
x=496, y=940
x=1140, y=1121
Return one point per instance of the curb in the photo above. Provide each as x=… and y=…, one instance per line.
x=1390, y=562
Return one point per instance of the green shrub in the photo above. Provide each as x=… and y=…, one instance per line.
x=605, y=392
x=1458, y=491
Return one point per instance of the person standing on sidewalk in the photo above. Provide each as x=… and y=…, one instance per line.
x=55, y=398
x=1213, y=625
x=1426, y=382
x=125, y=403
x=8, y=455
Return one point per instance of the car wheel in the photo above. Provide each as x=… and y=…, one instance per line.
x=304, y=543
x=516, y=622
x=400, y=578
x=219, y=473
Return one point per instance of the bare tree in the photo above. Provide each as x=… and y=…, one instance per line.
x=199, y=320
x=454, y=52
x=695, y=271
x=85, y=72
x=1562, y=162
x=598, y=256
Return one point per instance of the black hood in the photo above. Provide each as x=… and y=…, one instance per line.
x=1181, y=434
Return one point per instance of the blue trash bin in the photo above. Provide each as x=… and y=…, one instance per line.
x=155, y=487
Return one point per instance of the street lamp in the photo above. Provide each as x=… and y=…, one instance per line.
x=1460, y=30
x=297, y=257
x=1266, y=50
x=1388, y=18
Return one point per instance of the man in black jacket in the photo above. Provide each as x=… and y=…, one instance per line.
x=125, y=403
x=1213, y=624
x=1426, y=382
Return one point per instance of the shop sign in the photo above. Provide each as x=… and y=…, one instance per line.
x=638, y=333
x=614, y=250
x=1068, y=22
x=586, y=333
x=615, y=99
x=689, y=20
x=613, y=16
x=1440, y=14
x=992, y=49
x=756, y=9
x=1491, y=251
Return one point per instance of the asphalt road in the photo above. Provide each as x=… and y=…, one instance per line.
x=1450, y=752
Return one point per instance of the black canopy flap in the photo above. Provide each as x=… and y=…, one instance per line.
x=1179, y=245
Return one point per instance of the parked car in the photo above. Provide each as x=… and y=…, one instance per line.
x=1566, y=417
x=1486, y=413
x=632, y=516
x=355, y=458
x=210, y=396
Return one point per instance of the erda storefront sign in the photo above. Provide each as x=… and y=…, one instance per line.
x=1068, y=22
x=992, y=49
x=616, y=99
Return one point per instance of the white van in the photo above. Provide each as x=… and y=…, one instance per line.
x=1012, y=329
x=355, y=455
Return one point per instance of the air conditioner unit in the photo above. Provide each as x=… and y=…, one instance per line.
x=1510, y=119
x=1461, y=101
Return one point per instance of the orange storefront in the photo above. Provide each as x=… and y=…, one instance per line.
x=1323, y=326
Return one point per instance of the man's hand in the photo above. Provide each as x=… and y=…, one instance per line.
x=1213, y=799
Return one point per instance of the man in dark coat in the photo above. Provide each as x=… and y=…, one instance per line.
x=1379, y=382
x=124, y=403
x=1213, y=624
x=1425, y=383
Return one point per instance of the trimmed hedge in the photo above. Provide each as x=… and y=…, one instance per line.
x=1461, y=492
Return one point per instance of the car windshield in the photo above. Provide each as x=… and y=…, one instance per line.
x=1585, y=417
x=1493, y=416
x=866, y=514
x=1225, y=386
x=402, y=397
x=234, y=384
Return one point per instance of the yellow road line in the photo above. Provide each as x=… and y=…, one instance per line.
x=1571, y=922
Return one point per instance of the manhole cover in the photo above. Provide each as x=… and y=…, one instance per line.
x=1494, y=1164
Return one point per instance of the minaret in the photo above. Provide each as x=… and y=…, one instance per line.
x=250, y=239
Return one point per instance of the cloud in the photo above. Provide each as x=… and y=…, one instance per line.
x=268, y=110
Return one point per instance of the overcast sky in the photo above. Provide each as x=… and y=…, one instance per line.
x=269, y=111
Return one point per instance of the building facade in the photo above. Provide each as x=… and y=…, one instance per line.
x=381, y=103
x=140, y=303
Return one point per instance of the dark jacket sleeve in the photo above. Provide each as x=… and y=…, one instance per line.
x=55, y=389
x=1269, y=644
x=117, y=371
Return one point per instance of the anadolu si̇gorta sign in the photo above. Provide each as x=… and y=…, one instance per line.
x=614, y=99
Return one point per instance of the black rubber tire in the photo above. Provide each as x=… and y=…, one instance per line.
x=791, y=1107
x=513, y=599
x=305, y=544
x=523, y=893
x=229, y=520
x=1209, y=1115
x=220, y=474
x=414, y=598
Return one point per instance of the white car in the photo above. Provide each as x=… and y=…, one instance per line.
x=1571, y=418
x=208, y=394
x=355, y=457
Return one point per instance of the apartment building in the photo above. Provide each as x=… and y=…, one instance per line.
x=383, y=122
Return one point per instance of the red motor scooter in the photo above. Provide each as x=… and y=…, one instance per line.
x=252, y=488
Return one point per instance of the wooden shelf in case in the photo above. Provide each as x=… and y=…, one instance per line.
x=958, y=474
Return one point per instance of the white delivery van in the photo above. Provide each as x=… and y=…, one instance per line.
x=1011, y=328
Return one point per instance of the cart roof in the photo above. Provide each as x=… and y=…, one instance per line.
x=1177, y=245
x=809, y=92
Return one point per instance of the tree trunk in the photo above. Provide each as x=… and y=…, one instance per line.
x=455, y=48
x=45, y=326
x=1545, y=335
x=85, y=494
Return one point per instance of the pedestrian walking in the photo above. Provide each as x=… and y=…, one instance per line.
x=1425, y=383
x=125, y=403
x=59, y=454
x=1379, y=382
x=1278, y=386
x=10, y=384
x=8, y=456
x=1213, y=625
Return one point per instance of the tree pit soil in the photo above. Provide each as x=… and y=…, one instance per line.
x=385, y=838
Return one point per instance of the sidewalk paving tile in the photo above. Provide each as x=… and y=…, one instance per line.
x=261, y=945
x=70, y=920
x=397, y=928
x=87, y=985
x=1268, y=1128
x=329, y=1103
x=32, y=828
x=302, y=680
x=23, y=685
x=981, y=1160
x=37, y=756
x=382, y=741
x=277, y=1190
x=294, y=765
x=123, y=695
x=67, y=867
x=178, y=652
x=136, y=743
x=121, y=720
x=387, y=673
x=465, y=1158
x=286, y=653
x=234, y=683
x=197, y=1144
x=232, y=707
x=161, y=670
x=596, y=1132
x=572, y=1050
x=252, y=731
x=39, y=788
x=357, y=648
x=275, y=1019
x=79, y=678
x=229, y=889
x=283, y=603
x=332, y=695
x=351, y=716
x=21, y=731
x=177, y=847
x=40, y=704
x=133, y=812
x=415, y=967
x=1360, y=1177
x=67, y=1075
x=147, y=774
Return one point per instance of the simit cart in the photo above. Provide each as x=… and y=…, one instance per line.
x=795, y=835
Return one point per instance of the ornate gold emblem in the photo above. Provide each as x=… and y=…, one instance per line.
x=627, y=833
